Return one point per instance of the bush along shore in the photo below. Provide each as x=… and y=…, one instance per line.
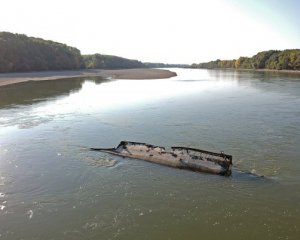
x=268, y=60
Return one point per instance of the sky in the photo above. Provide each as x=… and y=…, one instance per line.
x=169, y=31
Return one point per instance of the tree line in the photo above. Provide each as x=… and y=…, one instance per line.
x=100, y=61
x=20, y=53
x=165, y=65
x=273, y=59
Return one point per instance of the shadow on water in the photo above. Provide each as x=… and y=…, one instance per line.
x=31, y=92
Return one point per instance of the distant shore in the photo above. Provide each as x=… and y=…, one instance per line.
x=140, y=73
x=265, y=70
x=255, y=70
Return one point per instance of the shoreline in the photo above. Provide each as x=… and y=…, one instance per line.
x=278, y=71
x=255, y=70
x=268, y=70
x=134, y=74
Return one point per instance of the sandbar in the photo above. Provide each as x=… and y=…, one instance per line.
x=136, y=74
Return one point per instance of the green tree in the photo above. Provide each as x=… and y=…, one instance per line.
x=21, y=53
x=272, y=59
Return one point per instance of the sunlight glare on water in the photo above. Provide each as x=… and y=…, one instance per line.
x=121, y=93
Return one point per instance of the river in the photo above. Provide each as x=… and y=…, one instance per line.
x=53, y=187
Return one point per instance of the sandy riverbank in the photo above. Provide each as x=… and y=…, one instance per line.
x=144, y=73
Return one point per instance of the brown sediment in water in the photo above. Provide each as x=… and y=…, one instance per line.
x=137, y=74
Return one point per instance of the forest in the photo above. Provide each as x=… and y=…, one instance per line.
x=99, y=61
x=20, y=53
x=273, y=59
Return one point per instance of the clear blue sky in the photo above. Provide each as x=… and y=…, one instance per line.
x=173, y=31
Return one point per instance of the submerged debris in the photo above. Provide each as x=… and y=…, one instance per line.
x=102, y=162
x=179, y=157
x=30, y=213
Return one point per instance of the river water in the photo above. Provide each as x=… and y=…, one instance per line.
x=53, y=187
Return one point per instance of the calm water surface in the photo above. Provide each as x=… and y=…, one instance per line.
x=52, y=187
